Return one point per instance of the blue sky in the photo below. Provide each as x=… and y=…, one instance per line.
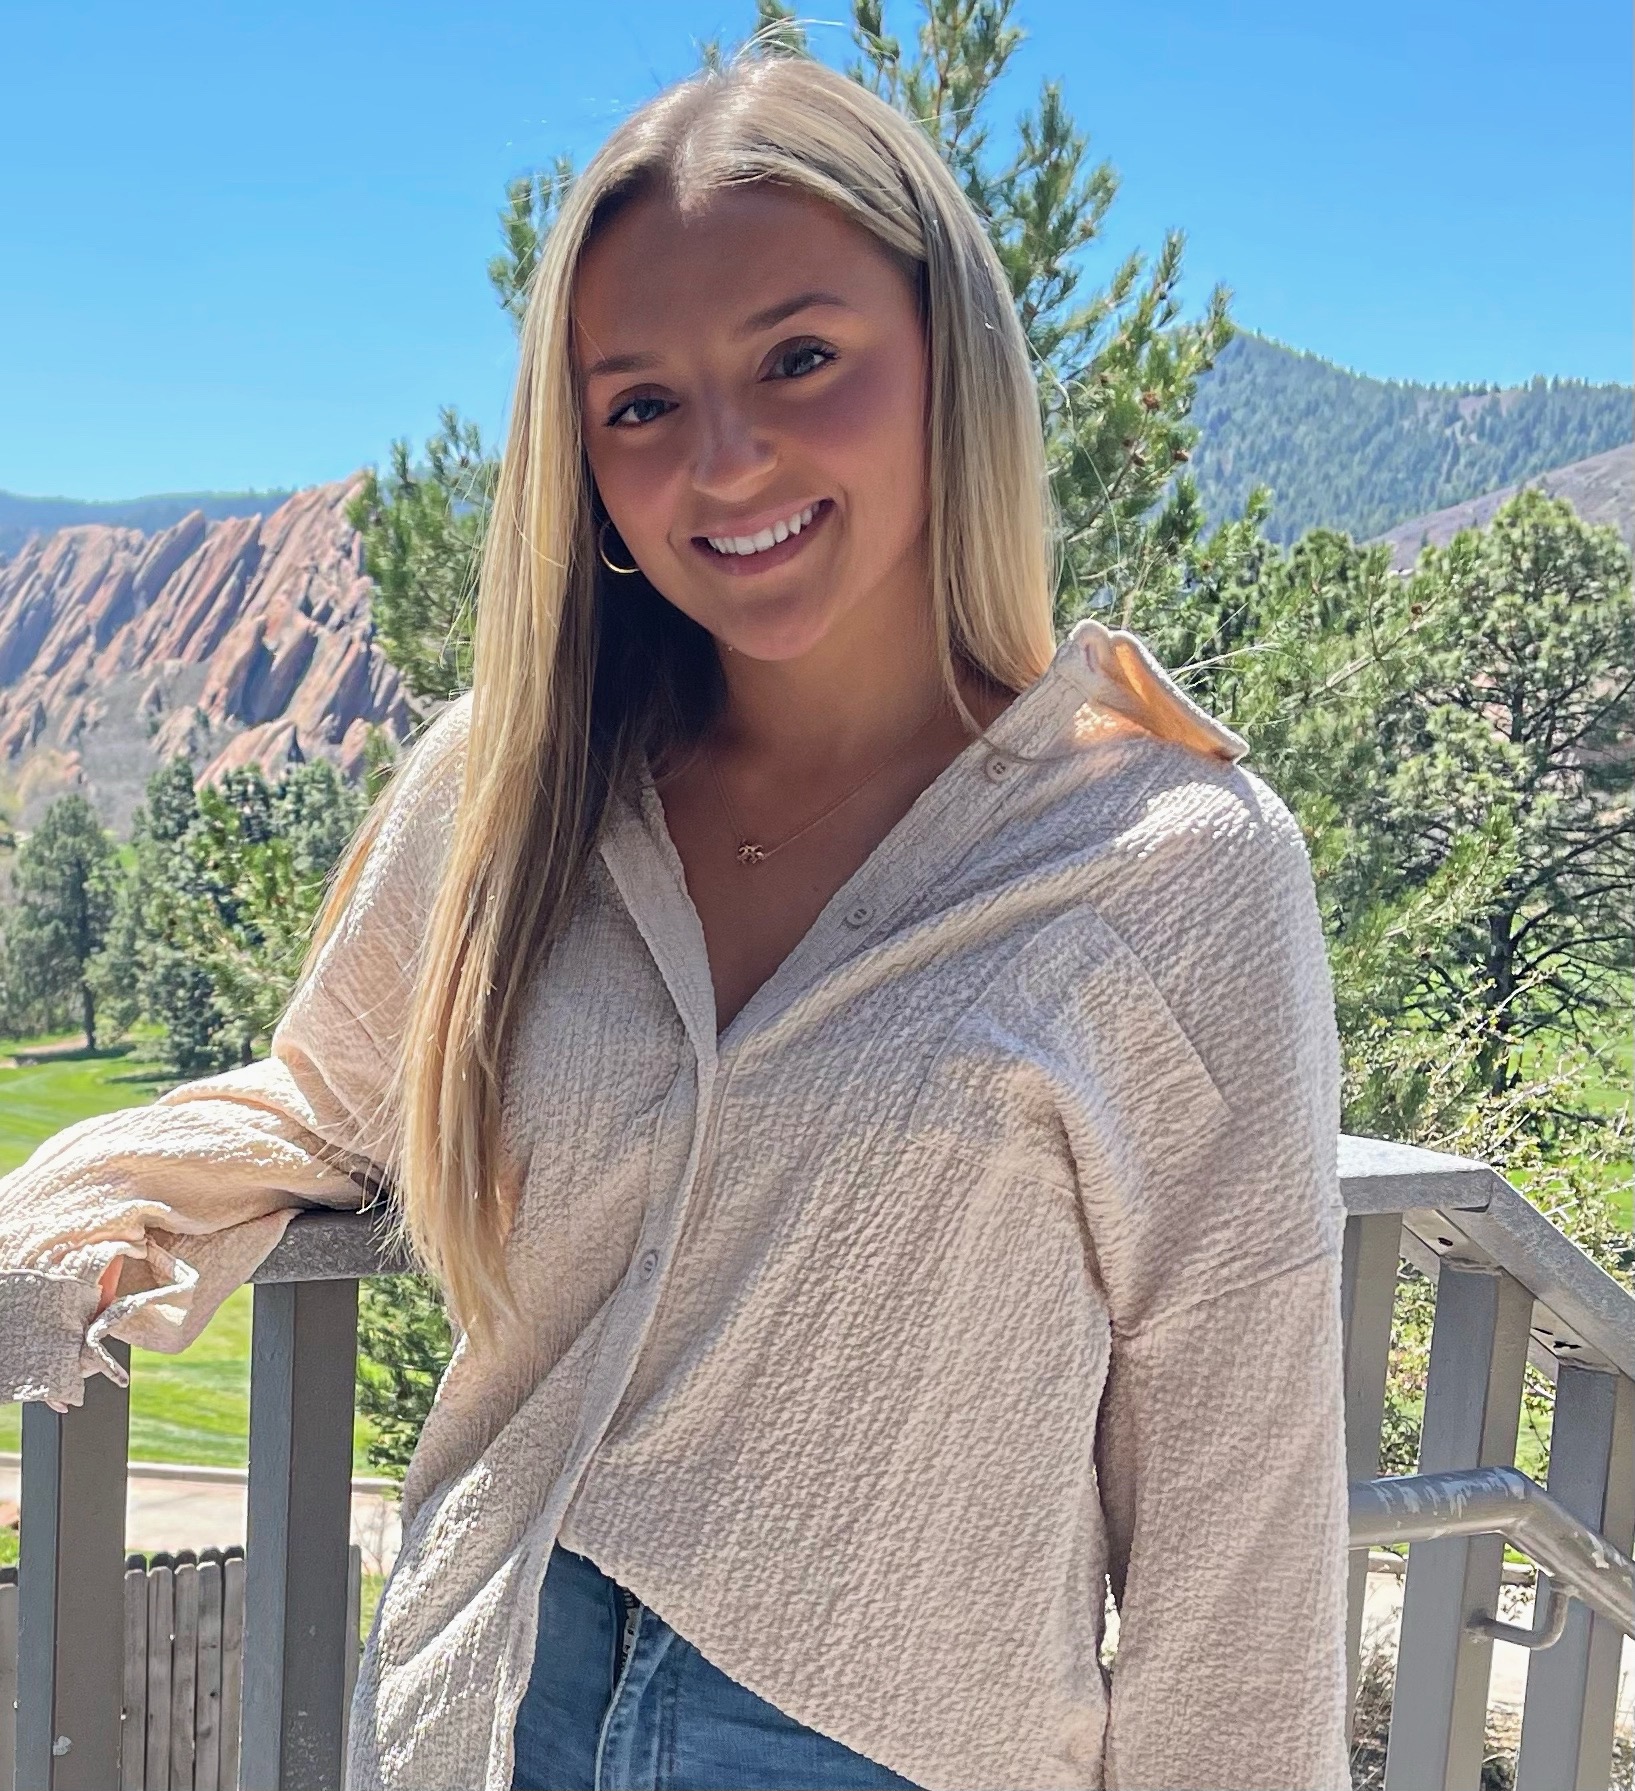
x=243, y=246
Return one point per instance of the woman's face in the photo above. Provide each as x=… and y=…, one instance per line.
x=753, y=394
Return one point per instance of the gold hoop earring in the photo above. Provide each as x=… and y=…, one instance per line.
x=601, y=548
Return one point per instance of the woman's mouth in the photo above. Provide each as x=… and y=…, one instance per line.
x=768, y=546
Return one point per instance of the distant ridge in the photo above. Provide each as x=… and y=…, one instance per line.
x=236, y=640
x=1601, y=489
x=21, y=517
x=1345, y=451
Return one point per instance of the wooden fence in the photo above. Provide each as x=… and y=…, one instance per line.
x=184, y=1668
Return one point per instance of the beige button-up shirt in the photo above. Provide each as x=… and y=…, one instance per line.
x=989, y=1254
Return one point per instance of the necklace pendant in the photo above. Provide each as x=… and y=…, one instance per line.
x=750, y=853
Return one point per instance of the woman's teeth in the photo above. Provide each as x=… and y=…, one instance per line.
x=770, y=537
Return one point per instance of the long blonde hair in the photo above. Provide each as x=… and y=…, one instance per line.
x=569, y=688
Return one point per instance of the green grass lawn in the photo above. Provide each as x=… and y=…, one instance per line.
x=369, y=1591
x=1617, y=1091
x=1612, y=1091
x=192, y=1407
x=39, y=1099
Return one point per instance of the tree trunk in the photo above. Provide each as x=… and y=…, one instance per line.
x=1496, y=1058
x=88, y=1006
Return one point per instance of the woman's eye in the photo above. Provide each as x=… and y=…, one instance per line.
x=800, y=358
x=636, y=411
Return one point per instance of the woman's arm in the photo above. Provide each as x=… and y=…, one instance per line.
x=174, y=1205
x=1221, y=1439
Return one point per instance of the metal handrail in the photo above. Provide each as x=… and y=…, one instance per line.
x=1505, y=1502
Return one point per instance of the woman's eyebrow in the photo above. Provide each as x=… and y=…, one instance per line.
x=775, y=314
x=620, y=363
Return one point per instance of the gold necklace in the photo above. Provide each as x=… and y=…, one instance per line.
x=751, y=852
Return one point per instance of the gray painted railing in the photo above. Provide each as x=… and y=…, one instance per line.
x=1508, y=1286
x=297, y=1668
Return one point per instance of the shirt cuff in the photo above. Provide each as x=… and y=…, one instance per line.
x=44, y=1353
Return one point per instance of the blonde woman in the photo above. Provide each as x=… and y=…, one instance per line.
x=863, y=1072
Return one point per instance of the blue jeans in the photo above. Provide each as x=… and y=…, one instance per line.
x=617, y=1701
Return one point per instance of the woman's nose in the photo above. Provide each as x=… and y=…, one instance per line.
x=732, y=456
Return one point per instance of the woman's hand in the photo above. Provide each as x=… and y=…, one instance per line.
x=107, y=1287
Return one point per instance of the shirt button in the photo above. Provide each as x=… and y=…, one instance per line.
x=858, y=915
x=997, y=769
x=649, y=1262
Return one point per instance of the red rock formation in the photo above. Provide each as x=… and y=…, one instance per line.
x=247, y=639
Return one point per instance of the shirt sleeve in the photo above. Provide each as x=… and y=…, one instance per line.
x=195, y=1190
x=1221, y=1433
x=1222, y=1455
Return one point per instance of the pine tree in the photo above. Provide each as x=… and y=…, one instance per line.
x=64, y=884
x=1457, y=746
x=212, y=917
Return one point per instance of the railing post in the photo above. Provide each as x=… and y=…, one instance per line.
x=1368, y=1284
x=1572, y=1687
x=1472, y=1409
x=8, y=1677
x=302, y=1382
x=71, y=1588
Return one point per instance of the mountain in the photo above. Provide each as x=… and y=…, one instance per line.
x=1601, y=489
x=1345, y=451
x=21, y=517
x=234, y=639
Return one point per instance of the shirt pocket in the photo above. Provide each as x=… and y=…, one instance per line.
x=1069, y=1064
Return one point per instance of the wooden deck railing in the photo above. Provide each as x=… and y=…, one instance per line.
x=1509, y=1286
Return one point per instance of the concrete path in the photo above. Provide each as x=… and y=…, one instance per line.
x=171, y=1508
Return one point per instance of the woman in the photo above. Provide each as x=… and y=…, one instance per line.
x=864, y=1074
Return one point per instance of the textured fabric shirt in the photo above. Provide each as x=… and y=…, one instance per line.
x=988, y=1255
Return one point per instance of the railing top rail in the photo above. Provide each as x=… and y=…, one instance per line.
x=1457, y=1208
x=1585, y=1312
x=1378, y=1175
x=1463, y=1211
x=332, y=1246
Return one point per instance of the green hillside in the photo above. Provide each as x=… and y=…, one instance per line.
x=1343, y=450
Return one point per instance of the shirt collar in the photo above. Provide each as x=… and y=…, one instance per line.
x=1113, y=671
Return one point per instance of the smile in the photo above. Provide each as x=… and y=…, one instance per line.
x=768, y=539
